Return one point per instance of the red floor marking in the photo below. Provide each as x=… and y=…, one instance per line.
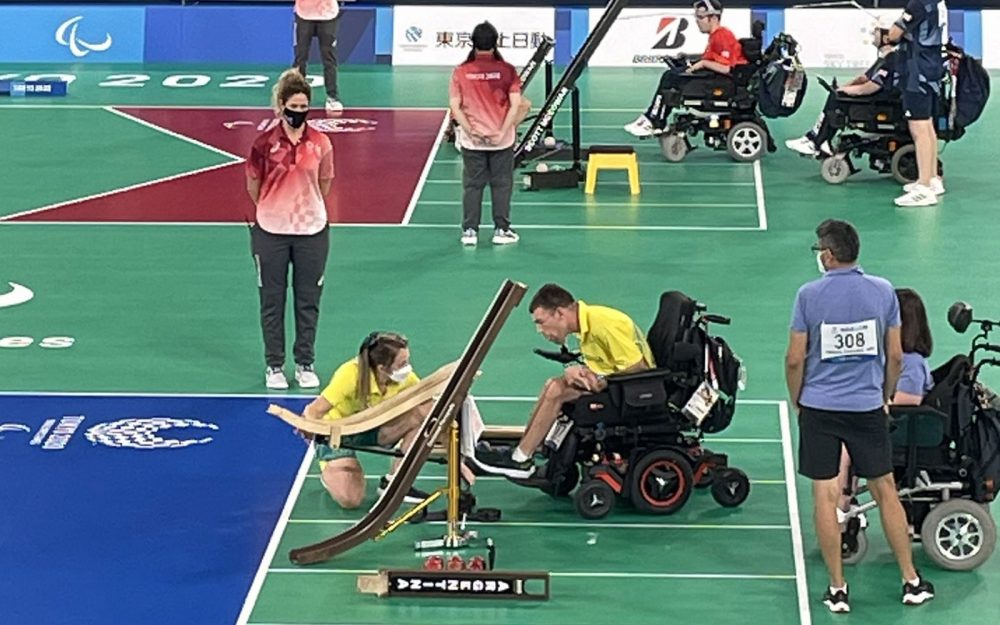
x=378, y=158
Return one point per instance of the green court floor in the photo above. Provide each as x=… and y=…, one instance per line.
x=172, y=308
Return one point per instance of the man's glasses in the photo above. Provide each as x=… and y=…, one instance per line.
x=816, y=247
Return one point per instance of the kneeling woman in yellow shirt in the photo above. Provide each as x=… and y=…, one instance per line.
x=382, y=369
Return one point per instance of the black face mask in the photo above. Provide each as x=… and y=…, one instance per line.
x=295, y=119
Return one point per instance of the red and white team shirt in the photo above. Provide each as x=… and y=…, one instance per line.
x=484, y=85
x=318, y=10
x=290, y=200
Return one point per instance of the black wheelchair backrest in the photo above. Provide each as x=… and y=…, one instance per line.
x=675, y=316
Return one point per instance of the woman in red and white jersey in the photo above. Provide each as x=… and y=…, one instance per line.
x=289, y=173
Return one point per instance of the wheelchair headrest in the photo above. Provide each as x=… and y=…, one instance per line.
x=751, y=49
x=675, y=315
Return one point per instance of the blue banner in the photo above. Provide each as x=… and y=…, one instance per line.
x=72, y=34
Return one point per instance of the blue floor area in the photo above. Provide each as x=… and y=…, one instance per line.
x=137, y=510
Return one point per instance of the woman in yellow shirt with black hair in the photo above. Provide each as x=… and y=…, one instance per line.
x=381, y=369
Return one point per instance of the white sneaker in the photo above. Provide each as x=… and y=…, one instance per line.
x=641, y=127
x=275, y=379
x=919, y=195
x=937, y=186
x=505, y=237
x=802, y=145
x=333, y=105
x=470, y=237
x=305, y=376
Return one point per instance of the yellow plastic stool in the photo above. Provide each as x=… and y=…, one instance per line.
x=612, y=157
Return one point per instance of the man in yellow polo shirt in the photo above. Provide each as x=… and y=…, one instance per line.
x=381, y=369
x=610, y=342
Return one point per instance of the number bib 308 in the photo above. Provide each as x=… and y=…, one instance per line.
x=842, y=342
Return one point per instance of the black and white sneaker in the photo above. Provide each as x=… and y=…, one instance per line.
x=413, y=496
x=916, y=594
x=500, y=461
x=836, y=600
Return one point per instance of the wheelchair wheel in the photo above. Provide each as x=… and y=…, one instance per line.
x=567, y=482
x=594, y=499
x=746, y=142
x=853, y=550
x=834, y=169
x=730, y=488
x=674, y=146
x=661, y=482
x=904, y=164
x=959, y=534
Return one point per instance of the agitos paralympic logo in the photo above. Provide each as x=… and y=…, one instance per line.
x=132, y=433
x=66, y=35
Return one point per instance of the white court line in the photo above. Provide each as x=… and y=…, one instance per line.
x=758, y=181
x=189, y=224
x=189, y=107
x=582, y=525
x=424, y=173
x=622, y=184
x=495, y=478
x=8, y=218
x=603, y=205
x=175, y=135
x=801, y=582
x=234, y=160
x=584, y=574
x=498, y=398
x=272, y=545
x=454, y=161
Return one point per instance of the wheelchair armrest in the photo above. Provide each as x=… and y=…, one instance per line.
x=902, y=412
x=648, y=374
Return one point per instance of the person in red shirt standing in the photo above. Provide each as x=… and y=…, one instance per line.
x=485, y=100
x=721, y=55
x=319, y=19
x=289, y=172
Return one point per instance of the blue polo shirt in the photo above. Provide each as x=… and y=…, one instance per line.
x=915, y=377
x=883, y=72
x=924, y=24
x=845, y=315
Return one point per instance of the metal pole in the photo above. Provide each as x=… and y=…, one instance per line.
x=543, y=122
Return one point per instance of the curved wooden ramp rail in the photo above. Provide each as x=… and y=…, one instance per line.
x=445, y=410
x=373, y=417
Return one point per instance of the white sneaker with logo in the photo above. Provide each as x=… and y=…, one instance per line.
x=919, y=195
x=937, y=186
x=470, y=237
x=802, y=145
x=333, y=105
x=505, y=237
x=274, y=378
x=305, y=376
x=641, y=127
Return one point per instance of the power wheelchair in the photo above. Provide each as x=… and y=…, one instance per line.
x=875, y=127
x=641, y=438
x=946, y=462
x=724, y=108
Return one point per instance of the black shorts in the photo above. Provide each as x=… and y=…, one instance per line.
x=866, y=435
x=919, y=105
